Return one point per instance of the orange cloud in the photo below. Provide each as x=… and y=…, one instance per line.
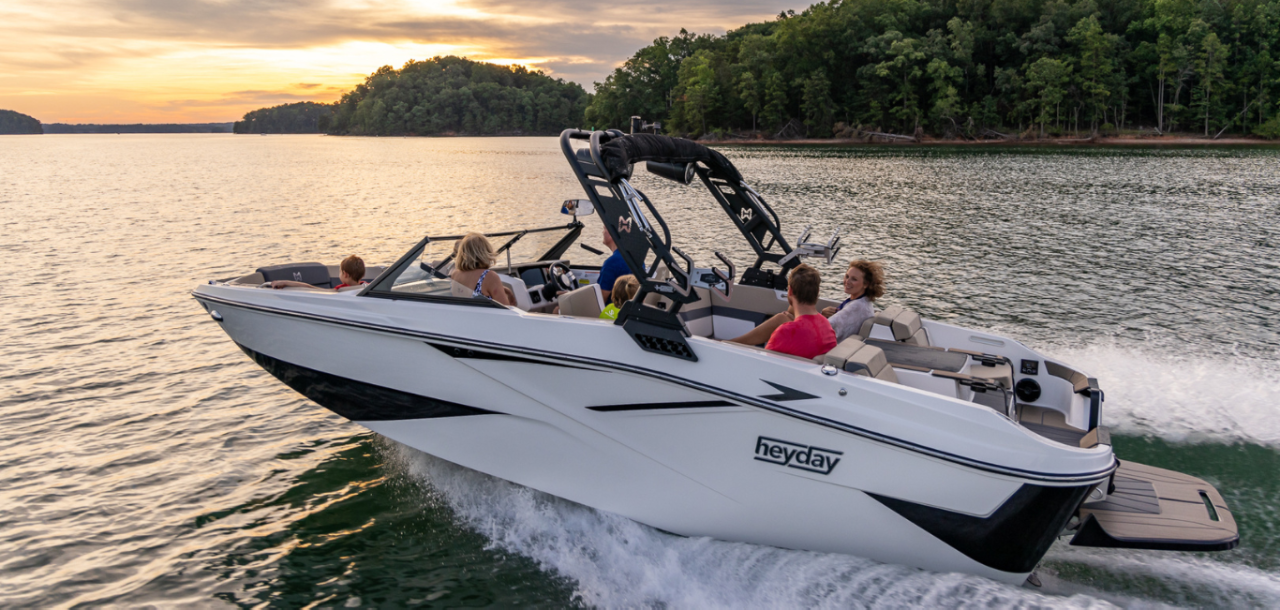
x=159, y=61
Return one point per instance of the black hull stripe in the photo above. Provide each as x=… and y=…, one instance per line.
x=1013, y=539
x=466, y=352
x=667, y=377
x=664, y=405
x=357, y=400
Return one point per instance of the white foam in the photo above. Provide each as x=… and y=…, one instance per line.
x=617, y=562
x=1192, y=579
x=1182, y=397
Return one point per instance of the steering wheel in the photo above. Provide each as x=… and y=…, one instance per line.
x=562, y=277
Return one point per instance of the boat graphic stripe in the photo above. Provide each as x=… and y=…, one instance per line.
x=466, y=352
x=357, y=400
x=786, y=393
x=1013, y=538
x=665, y=405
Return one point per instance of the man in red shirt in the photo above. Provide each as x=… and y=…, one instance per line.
x=801, y=330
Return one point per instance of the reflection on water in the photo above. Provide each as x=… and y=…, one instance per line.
x=345, y=533
x=145, y=460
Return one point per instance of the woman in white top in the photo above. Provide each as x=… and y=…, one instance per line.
x=864, y=283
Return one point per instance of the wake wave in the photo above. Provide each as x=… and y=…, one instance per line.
x=617, y=562
x=1192, y=580
x=1191, y=398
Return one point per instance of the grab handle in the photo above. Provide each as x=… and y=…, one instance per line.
x=727, y=279
x=681, y=287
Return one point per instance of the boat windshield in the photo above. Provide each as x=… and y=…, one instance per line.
x=425, y=270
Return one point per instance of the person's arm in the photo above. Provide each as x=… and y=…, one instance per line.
x=494, y=289
x=827, y=312
x=762, y=334
x=293, y=284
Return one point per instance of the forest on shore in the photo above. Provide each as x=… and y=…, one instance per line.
x=967, y=69
x=454, y=95
x=137, y=128
x=299, y=117
x=16, y=123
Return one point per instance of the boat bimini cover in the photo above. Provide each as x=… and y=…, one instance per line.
x=619, y=154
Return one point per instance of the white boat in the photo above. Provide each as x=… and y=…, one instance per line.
x=917, y=443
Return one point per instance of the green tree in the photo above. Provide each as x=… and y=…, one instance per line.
x=1096, y=67
x=1210, y=65
x=749, y=90
x=1047, y=78
x=817, y=106
x=775, y=92
x=697, y=94
x=903, y=58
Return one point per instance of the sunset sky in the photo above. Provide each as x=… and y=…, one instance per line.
x=175, y=61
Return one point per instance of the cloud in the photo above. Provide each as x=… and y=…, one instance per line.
x=213, y=52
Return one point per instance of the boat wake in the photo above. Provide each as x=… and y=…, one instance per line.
x=1183, y=398
x=617, y=562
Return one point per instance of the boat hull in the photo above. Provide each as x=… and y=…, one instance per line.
x=734, y=447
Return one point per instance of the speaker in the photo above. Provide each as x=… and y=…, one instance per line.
x=1027, y=390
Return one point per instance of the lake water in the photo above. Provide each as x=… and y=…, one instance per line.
x=145, y=460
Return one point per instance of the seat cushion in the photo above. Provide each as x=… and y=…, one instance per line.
x=315, y=274
x=903, y=324
x=854, y=356
x=585, y=302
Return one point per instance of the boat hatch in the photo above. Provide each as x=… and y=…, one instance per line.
x=1154, y=508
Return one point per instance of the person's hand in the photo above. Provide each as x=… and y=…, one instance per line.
x=827, y=312
x=278, y=284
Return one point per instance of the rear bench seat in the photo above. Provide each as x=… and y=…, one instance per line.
x=906, y=327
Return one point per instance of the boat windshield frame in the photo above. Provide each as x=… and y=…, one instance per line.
x=381, y=285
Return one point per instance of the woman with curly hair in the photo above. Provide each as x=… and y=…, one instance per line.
x=864, y=283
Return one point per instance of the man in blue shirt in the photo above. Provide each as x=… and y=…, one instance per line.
x=613, y=267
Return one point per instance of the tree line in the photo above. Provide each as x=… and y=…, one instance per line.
x=455, y=95
x=138, y=128
x=16, y=123
x=299, y=117
x=967, y=69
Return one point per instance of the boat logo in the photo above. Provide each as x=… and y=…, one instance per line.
x=624, y=224
x=745, y=215
x=297, y=276
x=795, y=455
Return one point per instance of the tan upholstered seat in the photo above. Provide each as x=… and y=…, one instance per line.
x=905, y=325
x=585, y=302
x=856, y=357
x=459, y=290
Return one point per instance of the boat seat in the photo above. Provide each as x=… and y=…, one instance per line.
x=929, y=358
x=521, y=292
x=585, y=302
x=904, y=325
x=854, y=356
x=316, y=274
